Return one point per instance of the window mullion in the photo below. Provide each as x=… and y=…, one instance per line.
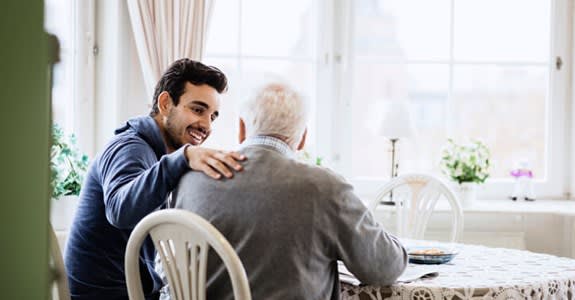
x=84, y=89
x=449, y=124
x=559, y=131
x=342, y=84
x=328, y=92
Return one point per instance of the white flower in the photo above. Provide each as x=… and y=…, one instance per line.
x=465, y=163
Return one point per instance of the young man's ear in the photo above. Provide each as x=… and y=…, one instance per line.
x=302, y=142
x=164, y=103
x=242, y=132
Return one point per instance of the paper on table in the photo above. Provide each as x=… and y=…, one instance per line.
x=409, y=275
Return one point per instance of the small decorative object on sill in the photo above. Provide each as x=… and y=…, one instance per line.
x=467, y=165
x=523, y=187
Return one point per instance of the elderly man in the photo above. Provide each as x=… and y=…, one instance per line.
x=289, y=222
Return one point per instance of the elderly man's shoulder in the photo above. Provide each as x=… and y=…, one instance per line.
x=254, y=166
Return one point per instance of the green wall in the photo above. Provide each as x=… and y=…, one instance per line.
x=24, y=151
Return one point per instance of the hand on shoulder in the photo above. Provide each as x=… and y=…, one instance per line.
x=214, y=163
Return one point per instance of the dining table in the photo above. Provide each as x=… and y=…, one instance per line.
x=477, y=272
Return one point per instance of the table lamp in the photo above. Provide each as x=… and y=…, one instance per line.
x=395, y=124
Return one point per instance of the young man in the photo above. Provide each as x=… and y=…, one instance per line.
x=288, y=221
x=134, y=174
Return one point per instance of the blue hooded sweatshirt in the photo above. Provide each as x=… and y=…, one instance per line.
x=131, y=178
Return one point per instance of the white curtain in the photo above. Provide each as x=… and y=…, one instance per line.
x=167, y=30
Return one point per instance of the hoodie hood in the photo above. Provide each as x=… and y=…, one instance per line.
x=146, y=128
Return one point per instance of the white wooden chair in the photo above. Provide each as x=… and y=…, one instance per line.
x=182, y=240
x=57, y=268
x=415, y=197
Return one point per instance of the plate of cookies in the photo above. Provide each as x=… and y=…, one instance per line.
x=430, y=255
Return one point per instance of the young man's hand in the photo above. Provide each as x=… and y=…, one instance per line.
x=214, y=163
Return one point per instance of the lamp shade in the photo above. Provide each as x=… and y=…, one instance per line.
x=396, y=121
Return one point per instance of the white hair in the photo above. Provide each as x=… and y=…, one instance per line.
x=276, y=109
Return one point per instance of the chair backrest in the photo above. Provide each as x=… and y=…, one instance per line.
x=182, y=240
x=57, y=267
x=415, y=197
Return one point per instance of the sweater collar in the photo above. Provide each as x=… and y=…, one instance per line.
x=147, y=128
x=270, y=142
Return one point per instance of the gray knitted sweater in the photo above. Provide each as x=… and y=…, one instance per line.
x=290, y=222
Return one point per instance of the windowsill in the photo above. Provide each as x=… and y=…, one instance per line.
x=557, y=207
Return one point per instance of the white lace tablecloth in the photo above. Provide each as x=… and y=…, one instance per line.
x=479, y=272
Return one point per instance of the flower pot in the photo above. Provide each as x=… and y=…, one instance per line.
x=62, y=212
x=467, y=193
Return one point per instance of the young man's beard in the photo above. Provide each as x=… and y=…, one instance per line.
x=172, y=139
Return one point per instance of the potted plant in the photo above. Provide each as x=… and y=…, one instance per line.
x=467, y=165
x=68, y=167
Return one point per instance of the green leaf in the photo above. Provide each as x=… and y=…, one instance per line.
x=67, y=165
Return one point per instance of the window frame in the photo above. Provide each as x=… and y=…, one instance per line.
x=80, y=113
x=85, y=74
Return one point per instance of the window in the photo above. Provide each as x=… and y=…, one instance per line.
x=73, y=76
x=72, y=83
x=59, y=21
x=252, y=47
x=468, y=69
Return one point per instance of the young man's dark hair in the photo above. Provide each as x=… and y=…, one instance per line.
x=186, y=70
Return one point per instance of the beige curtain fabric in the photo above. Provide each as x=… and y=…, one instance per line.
x=167, y=30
